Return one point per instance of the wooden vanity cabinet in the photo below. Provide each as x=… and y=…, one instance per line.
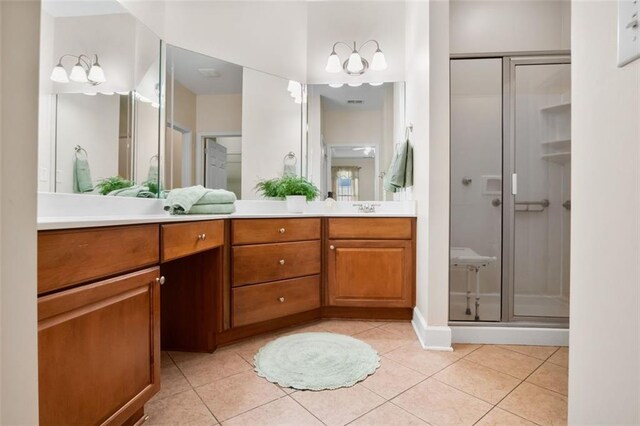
x=98, y=338
x=370, y=262
x=276, y=265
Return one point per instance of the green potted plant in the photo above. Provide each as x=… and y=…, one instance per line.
x=295, y=189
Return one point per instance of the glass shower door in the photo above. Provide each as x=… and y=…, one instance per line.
x=540, y=156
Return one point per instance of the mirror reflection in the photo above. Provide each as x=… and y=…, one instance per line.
x=353, y=132
x=99, y=100
x=228, y=126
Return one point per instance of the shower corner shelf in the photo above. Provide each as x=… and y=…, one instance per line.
x=559, y=144
x=557, y=157
x=557, y=107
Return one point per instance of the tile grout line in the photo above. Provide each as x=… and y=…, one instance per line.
x=254, y=408
x=305, y=408
x=557, y=348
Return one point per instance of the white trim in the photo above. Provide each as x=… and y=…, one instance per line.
x=434, y=338
x=199, y=151
x=510, y=335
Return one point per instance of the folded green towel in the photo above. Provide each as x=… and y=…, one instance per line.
x=400, y=172
x=181, y=200
x=217, y=196
x=212, y=209
x=81, y=175
x=139, y=191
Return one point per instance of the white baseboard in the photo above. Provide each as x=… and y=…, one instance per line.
x=435, y=338
x=510, y=335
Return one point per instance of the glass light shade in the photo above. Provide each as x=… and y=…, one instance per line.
x=378, y=63
x=376, y=83
x=59, y=74
x=91, y=93
x=96, y=74
x=78, y=74
x=333, y=63
x=355, y=84
x=336, y=85
x=294, y=86
x=355, y=63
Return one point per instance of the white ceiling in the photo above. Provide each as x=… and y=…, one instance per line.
x=68, y=8
x=351, y=152
x=187, y=63
x=372, y=97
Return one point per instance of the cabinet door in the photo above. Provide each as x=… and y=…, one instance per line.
x=370, y=273
x=99, y=350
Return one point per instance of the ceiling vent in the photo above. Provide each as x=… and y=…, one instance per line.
x=209, y=72
x=355, y=101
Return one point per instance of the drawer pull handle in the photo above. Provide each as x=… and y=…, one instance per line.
x=202, y=237
x=161, y=280
x=281, y=299
x=281, y=261
x=282, y=230
x=332, y=247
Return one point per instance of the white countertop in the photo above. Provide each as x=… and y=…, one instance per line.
x=68, y=211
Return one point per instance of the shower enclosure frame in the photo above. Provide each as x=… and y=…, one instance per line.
x=509, y=64
x=509, y=61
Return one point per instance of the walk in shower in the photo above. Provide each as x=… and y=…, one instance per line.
x=510, y=189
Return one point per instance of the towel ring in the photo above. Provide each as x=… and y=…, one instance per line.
x=290, y=159
x=78, y=149
x=155, y=158
x=408, y=131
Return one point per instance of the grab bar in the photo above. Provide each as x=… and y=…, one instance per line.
x=543, y=204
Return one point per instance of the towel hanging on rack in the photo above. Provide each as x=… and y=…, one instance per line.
x=81, y=171
x=153, y=173
x=400, y=172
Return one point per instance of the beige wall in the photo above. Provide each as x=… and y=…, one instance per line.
x=219, y=113
x=181, y=111
x=604, y=367
x=479, y=26
x=19, y=45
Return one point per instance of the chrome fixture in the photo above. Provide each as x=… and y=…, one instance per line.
x=496, y=202
x=84, y=71
x=466, y=181
x=542, y=204
x=366, y=207
x=567, y=205
x=356, y=64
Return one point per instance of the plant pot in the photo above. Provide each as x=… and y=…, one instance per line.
x=296, y=203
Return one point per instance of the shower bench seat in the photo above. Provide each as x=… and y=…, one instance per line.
x=469, y=260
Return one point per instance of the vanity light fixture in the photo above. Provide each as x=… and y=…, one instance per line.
x=377, y=83
x=84, y=71
x=357, y=84
x=336, y=85
x=356, y=64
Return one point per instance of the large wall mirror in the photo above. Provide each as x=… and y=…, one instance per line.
x=228, y=126
x=100, y=100
x=352, y=134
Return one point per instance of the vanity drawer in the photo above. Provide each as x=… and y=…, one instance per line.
x=391, y=228
x=258, y=231
x=270, y=262
x=70, y=257
x=262, y=302
x=184, y=239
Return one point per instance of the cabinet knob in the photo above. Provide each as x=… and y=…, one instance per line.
x=332, y=247
x=202, y=237
x=281, y=261
x=161, y=280
x=281, y=299
x=281, y=230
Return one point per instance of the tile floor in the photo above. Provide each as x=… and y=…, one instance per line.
x=474, y=384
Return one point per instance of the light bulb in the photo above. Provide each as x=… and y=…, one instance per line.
x=357, y=84
x=354, y=65
x=378, y=63
x=294, y=86
x=336, y=85
x=78, y=74
x=376, y=83
x=96, y=74
x=333, y=63
x=90, y=93
x=59, y=74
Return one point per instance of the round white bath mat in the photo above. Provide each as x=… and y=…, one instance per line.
x=316, y=361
